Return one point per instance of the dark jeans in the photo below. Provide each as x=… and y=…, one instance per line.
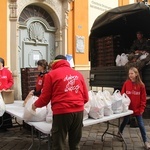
x=140, y=123
x=66, y=124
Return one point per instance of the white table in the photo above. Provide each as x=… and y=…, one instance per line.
x=16, y=109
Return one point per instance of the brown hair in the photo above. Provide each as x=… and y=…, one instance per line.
x=43, y=63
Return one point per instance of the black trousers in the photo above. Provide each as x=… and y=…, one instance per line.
x=5, y=121
x=67, y=124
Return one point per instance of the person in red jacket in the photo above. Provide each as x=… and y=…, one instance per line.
x=6, y=79
x=42, y=67
x=67, y=91
x=135, y=89
x=6, y=82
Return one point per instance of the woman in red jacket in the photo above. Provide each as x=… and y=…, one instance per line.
x=135, y=89
x=6, y=82
x=42, y=67
x=6, y=79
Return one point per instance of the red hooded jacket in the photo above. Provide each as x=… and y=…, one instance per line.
x=65, y=88
x=137, y=95
x=6, y=79
x=39, y=83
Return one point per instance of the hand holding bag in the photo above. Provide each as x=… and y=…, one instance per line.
x=31, y=115
x=2, y=105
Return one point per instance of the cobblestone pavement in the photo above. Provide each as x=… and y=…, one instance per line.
x=20, y=139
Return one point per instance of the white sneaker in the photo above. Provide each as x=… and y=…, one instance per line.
x=147, y=145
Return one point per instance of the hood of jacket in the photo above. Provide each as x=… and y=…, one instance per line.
x=60, y=63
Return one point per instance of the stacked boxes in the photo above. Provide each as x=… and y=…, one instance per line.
x=28, y=80
x=106, y=50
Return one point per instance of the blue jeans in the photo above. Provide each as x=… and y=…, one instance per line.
x=140, y=123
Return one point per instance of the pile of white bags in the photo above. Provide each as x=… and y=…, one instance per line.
x=102, y=104
x=122, y=59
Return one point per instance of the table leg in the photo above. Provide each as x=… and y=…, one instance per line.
x=107, y=132
x=49, y=141
x=32, y=135
x=1, y=121
x=39, y=136
x=102, y=138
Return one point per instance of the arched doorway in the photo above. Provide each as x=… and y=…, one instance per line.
x=36, y=36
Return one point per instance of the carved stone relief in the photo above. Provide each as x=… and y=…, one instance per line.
x=13, y=10
x=36, y=32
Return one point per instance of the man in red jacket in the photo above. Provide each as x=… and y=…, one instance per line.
x=67, y=91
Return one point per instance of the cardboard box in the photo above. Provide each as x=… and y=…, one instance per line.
x=8, y=96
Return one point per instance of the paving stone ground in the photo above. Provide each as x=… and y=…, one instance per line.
x=20, y=139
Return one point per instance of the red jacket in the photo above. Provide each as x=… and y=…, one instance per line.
x=6, y=79
x=39, y=83
x=137, y=95
x=66, y=89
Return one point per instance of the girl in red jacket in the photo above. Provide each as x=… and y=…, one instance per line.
x=135, y=89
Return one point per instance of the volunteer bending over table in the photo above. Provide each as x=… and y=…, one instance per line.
x=6, y=82
x=67, y=91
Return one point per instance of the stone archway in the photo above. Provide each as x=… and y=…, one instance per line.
x=59, y=12
x=37, y=36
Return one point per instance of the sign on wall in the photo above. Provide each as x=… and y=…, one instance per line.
x=97, y=7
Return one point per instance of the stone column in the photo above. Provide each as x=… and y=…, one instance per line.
x=65, y=9
x=13, y=48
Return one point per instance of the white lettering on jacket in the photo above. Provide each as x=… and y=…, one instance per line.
x=3, y=77
x=133, y=92
x=71, y=86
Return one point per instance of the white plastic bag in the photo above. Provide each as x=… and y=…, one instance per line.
x=49, y=114
x=30, y=115
x=2, y=105
x=125, y=102
x=143, y=56
x=117, y=102
x=124, y=59
x=97, y=106
x=87, y=107
x=118, y=60
x=105, y=96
